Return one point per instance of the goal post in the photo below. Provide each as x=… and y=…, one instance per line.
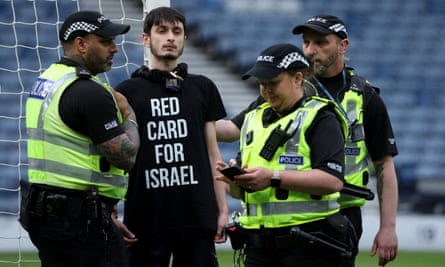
x=28, y=45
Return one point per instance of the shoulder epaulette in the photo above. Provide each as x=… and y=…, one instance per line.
x=358, y=83
x=83, y=73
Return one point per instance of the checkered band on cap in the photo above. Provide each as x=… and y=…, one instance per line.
x=79, y=26
x=291, y=58
x=338, y=27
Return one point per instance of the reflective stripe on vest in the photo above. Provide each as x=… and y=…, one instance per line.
x=279, y=208
x=59, y=156
x=73, y=171
x=42, y=135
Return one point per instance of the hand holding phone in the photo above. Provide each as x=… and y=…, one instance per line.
x=231, y=170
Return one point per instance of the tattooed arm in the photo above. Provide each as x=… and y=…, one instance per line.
x=385, y=241
x=121, y=150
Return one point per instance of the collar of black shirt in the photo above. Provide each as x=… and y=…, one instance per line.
x=270, y=116
x=68, y=62
x=335, y=85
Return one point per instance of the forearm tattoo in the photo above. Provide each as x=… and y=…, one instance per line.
x=379, y=176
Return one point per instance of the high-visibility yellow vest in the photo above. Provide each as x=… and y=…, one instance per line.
x=57, y=155
x=357, y=159
x=263, y=208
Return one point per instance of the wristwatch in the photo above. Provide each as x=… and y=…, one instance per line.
x=275, y=181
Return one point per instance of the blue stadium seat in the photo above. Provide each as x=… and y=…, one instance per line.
x=27, y=79
x=7, y=15
x=65, y=8
x=429, y=171
x=47, y=35
x=212, y=4
x=387, y=7
x=48, y=56
x=46, y=10
x=228, y=150
x=7, y=37
x=409, y=71
x=435, y=7
x=28, y=58
x=24, y=11
x=9, y=178
x=8, y=61
x=10, y=104
x=436, y=143
x=134, y=53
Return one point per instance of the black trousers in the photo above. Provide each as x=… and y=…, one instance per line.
x=291, y=257
x=326, y=243
x=354, y=214
x=61, y=226
x=187, y=249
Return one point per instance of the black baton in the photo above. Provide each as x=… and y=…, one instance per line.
x=297, y=232
x=357, y=191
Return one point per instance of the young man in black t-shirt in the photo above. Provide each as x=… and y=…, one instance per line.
x=174, y=207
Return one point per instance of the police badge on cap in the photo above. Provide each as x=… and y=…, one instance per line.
x=276, y=59
x=325, y=24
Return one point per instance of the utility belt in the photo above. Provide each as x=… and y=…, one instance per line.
x=334, y=234
x=42, y=202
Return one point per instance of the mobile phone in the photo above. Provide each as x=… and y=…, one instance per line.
x=231, y=171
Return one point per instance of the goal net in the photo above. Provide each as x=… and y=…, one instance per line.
x=28, y=45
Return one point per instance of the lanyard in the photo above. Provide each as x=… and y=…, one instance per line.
x=336, y=100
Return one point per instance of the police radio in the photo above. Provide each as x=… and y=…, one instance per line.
x=276, y=139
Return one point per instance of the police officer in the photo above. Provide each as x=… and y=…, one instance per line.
x=82, y=140
x=292, y=154
x=370, y=143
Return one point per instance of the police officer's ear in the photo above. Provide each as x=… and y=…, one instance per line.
x=298, y=76
x=80, y=43
x=75, y=46
x=343, y=46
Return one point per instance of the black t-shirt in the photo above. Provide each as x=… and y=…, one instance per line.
x=171, y=185
x=89, y=109
x=380, y=139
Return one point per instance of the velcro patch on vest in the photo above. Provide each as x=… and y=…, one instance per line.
x=291, y=160
x=41, y=88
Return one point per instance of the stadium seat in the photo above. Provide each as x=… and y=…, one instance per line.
x=47, y=34
x=408, y=70
x=7, y=38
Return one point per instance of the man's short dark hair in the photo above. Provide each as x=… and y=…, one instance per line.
x=162, y=14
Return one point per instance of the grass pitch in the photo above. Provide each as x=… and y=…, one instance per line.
x=404, y=259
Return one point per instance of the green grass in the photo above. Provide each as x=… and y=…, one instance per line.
x=404, y=259
x=14, y=259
